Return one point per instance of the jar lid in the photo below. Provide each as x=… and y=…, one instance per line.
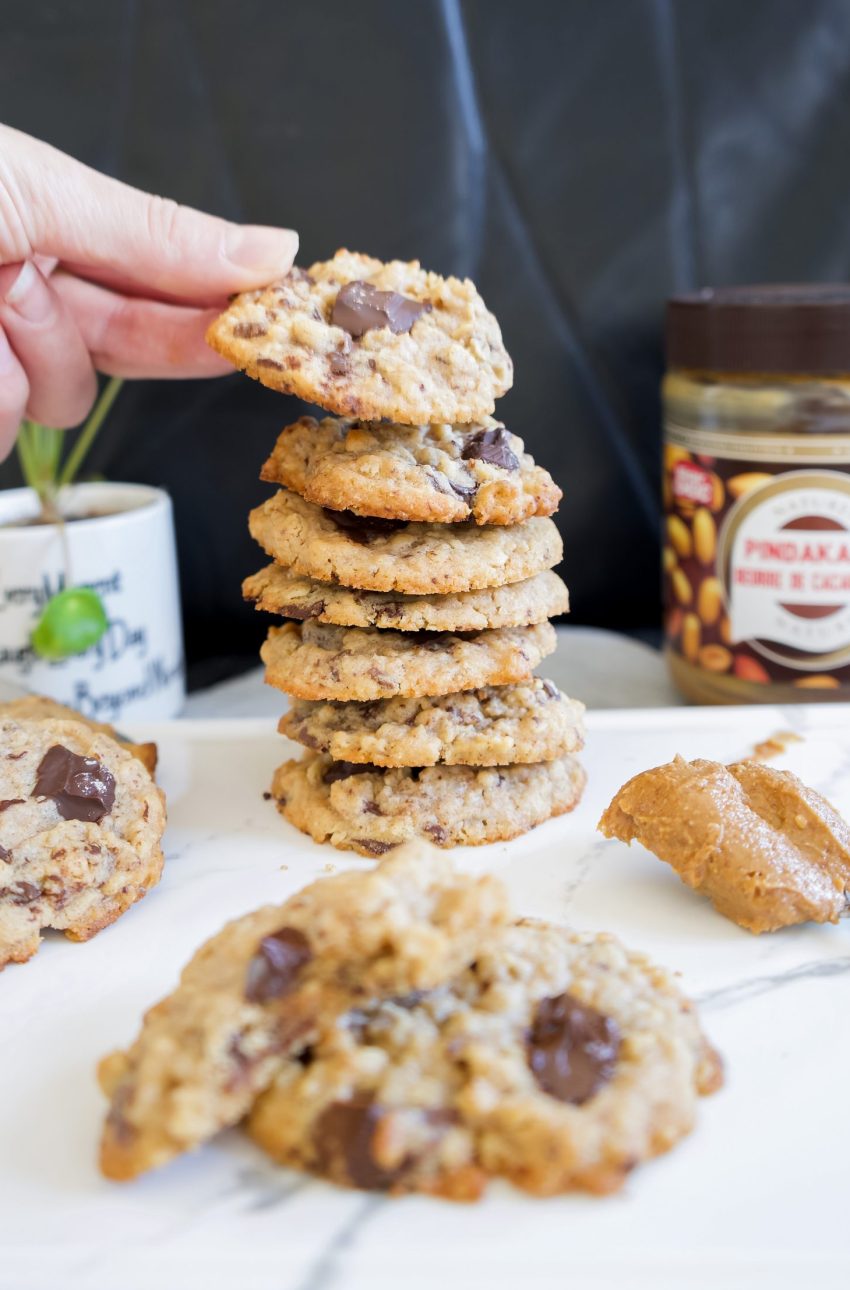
x=797, y=328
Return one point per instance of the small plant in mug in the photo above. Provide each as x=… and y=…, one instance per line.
x=74, y=619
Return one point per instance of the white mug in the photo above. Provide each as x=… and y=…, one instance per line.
x=122, y=545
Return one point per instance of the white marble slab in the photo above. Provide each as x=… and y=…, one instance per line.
x=758, y=1196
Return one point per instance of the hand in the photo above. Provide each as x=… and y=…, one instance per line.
x=97, y=275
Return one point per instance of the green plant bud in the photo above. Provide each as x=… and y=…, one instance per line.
x=70, y=623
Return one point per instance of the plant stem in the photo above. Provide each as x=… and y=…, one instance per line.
x=98, y=413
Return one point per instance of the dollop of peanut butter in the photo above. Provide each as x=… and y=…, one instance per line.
x=766, y=850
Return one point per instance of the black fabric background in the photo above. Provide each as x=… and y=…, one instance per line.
x=581, y=159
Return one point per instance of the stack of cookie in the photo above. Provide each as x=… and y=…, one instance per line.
x=412, y=553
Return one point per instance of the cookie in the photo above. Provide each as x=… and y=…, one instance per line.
x=256, y=993
x=437, y=474
x=37, y=707
x=557, y=1061
x=370, y=810
x=277, y=590
x=80, y=829
x=392, y=555
x=767, y=851
x=370, y=340
x=495, y=726
x=314, y=661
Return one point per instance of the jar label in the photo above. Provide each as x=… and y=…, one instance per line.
x=757, y=555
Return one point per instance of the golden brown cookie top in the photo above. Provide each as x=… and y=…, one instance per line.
x=766, y=850
x=367, y=339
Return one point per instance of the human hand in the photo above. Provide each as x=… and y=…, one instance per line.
x=97, y=275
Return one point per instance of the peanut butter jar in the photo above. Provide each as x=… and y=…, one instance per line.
x=756, y=494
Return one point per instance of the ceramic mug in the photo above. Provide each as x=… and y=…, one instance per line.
x=118, y=539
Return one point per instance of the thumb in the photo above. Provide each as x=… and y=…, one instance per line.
x=52, y=205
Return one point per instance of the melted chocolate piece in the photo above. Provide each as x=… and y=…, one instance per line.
x=302, y=612
x=360, y=307
x=363, y=528
x=81, y=787
x=571, y=1048
x=24, y=893
x=373, y=847
x=345, y=769
x=274, y=969
x=6, y=802
x=248, y=330
x=551, y=689
x=344, y=1138
x=492, y=446
x=339, y=363
x=437, y=834
x=262, y=361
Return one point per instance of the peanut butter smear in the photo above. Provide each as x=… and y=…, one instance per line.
x=766, y=850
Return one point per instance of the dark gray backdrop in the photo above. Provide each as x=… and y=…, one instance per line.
x=581, y=159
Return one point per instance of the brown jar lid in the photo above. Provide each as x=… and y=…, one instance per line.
x=798, y=328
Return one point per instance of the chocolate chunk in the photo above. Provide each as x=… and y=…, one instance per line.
x=344, y=1136
x=24, y=893
x=268, y=362
x=551, y=689
x=363, y=528
x=248, y=330
x=437, y=834
x=360, y=307
x=344, y=770
x=373, y=847
x=267, y=797
x=81, y=787
x=571, y=1048
x=273, y=970
x=5, y=856
x=372, y=808
x=492, y=446
x=302, y=612
x=339, y=364
x=443, y=484
x=6, y=802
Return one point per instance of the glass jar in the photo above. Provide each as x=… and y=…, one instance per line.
x=756, y=494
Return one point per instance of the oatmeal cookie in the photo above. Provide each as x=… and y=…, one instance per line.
x=558, y=1061
x=438, y=474
x=37, y=707
x=313, y=661
x=502, y=725
x=255, y=994
x=766, y=850
x=392, y=555
x=368, y=809
x=370, y=340
x=277, y=590
x=80, y=829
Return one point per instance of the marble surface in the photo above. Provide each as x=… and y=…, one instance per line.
x=756, y=1197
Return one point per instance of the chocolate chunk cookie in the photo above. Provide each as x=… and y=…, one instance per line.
x=37, y=707
x=258, y=992
x=390, y=555
x=80, y=829
x=370, y=340
x=433, y=473
x=279, y=591
x=502, y=725
x=314, y=661
x=370, y=810
x=556, y=1061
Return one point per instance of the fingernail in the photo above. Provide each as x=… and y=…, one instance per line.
x=28, y=294
x=266, y=252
